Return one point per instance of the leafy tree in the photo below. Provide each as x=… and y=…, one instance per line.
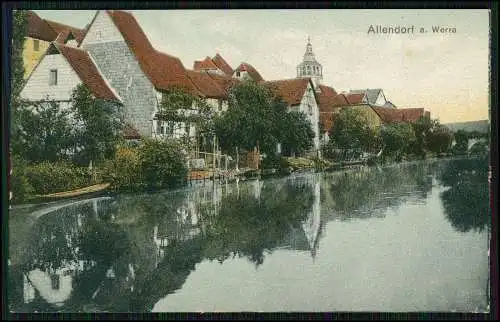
x=43, y=132
x=439, y=138
x=462, y=141
x=297, y=133
x=163, y=164
x=351, y=130
x=19, y=32
x=98, y=126
x=396, y=137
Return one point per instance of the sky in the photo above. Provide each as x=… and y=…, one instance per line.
x=446, y=73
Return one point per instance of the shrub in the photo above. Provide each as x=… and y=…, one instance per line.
x=163, y=164
x=19, y=185
x=123, y=172
x=51, y=177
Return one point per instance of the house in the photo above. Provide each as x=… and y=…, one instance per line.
x=329, y=103
x=216, y=64
x=246, y=71
x=373, y=97
x=300, y=97
x=398, y=115
x=60, y=70
x=40, y=33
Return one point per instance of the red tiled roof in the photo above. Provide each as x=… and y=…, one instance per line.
x=329, y=100
x=38, y=28
x=252, y=72
x=64, y=35
x=355, y=98
x=82, y=64
x=163, y=70
x=205, y=64
x=129, y=132
x=48, y=30
x=222, y=64
x=206, y=84
x=391, y=115
x=224, y=82
x=59, y=27
x=290, y=90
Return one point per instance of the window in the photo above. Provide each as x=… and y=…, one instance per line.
x=310, y=109
x=54, y=282
x=186, y=129
x=237, y=74
x=36, y=45
x=53, y=77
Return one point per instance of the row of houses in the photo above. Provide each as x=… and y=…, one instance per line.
x=114, y=58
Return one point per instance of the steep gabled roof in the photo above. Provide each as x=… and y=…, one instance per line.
x=357, y=98
x=38, y=28
x=252, y=72
x=206, y=84
x=64, y=36
x=371, y=94
x=329, y=100
x=87, y=71
x=206, y=64
x=163, y=70
x=290, y=90
x=48, y=30
x=225, y=82
x=222, y=64
x=389, y=105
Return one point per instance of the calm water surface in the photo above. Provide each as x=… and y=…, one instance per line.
x=410, y=237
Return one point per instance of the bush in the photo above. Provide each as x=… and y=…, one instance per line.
x=51, y=177
x=162, y=164
x=19, y=185
x=123, y=172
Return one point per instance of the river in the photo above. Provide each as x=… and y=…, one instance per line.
x=402, y=238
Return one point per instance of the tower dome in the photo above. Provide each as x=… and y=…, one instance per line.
x=309, y=67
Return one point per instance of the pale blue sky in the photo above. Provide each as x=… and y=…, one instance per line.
x=445, y=73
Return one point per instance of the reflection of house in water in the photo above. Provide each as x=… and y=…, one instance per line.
x=307, y=238
x=55, y=262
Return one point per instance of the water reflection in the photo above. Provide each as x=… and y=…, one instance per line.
x=125, y=253
x=466, y=202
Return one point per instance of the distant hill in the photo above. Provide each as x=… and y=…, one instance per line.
x=479, y=126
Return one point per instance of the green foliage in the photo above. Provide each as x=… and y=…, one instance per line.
x=19, y=185
x=163, y=164
x=41, y=131
x=50, y=177
x=439, y=139
x=123, y=171
x=297, y=133
x=396, y=137
x=351, y=130
x=98, y=126
x=462, y=141
x=256, y=117
x=19, y=32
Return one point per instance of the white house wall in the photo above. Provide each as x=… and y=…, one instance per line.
x=122, y=70
x=314, y=117
x=37, y=87
x=380, y=99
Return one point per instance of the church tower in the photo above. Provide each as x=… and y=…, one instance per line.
x=309, y=67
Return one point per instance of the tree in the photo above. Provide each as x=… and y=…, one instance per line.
x=297, y=133
x=439, y=139
x=462, y=141
x=396, y=137
x=351, y=130
x=98, y=126
x=19, y=31
x=43, y=132
x=251, y=119
x=162, y=164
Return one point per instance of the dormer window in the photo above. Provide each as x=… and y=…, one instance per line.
x=53, y=77
x=36, y=45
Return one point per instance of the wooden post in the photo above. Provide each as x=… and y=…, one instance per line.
x=213, y=163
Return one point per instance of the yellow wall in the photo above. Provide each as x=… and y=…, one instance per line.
x=372, y=117
x=30, y=56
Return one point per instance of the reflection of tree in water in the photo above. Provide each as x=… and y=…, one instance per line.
x=247, y=226
x=357, y=193
x=126, y=272
x=466, y=202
